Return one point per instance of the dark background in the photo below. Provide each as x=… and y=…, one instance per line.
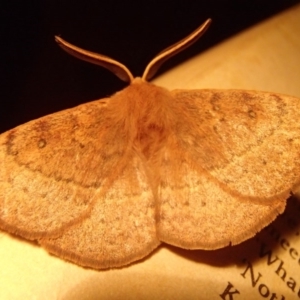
x=38, y=78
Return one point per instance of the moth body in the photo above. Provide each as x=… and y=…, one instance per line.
x=104, y=183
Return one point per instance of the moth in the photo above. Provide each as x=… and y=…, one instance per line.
x=104, y=183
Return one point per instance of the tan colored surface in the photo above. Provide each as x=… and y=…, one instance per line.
x=263, y=58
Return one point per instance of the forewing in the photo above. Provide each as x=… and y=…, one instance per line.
x=53, y=168
x=120, y=228
x=249, y=141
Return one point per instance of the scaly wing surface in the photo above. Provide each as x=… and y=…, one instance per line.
x=226, y=172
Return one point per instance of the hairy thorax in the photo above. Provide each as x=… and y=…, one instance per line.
x=145, y=117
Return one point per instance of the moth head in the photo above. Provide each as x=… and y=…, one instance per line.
x=122, y=71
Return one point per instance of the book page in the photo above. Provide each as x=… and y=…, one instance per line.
x=267, y=266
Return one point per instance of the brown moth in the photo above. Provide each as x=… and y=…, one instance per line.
x=104, y=183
